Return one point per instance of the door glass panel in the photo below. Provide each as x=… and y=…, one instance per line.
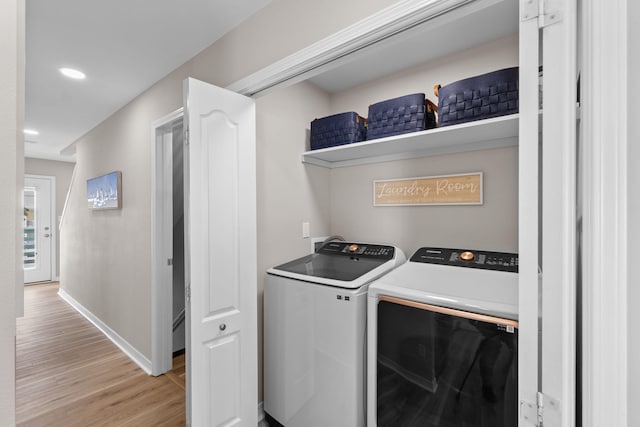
x=440, y=370
x=29, y=221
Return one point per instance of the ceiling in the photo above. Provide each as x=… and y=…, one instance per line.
x=123, y=46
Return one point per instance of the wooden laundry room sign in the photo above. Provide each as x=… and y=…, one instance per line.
x=462, y=189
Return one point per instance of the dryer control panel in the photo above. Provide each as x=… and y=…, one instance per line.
x=500, y=261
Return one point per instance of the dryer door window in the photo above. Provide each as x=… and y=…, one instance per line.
x=442, y=367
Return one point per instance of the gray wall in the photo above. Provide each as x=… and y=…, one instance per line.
x=289, y=193
x=634, y=212
x=281, y=28
x=11, y=170
x=106, y=256
x=492, y=226
x=63, y=172
x=338, y=201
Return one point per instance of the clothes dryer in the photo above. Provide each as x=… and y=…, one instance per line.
x=443, y=341
x=315, y=334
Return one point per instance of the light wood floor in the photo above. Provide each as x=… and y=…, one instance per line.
x=69, y=374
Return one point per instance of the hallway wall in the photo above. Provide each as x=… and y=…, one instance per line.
x=106, y=256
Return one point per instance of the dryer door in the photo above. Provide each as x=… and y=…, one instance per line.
x=442, y=367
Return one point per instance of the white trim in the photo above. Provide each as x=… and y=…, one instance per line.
x=53, y=235
x=161, y=278
x=605, y=226
x=314, y=59
x=66, y=199
x=137, y=357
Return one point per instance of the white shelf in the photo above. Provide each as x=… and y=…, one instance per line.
x=479, y=135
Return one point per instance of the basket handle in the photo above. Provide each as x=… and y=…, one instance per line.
x=431, y=106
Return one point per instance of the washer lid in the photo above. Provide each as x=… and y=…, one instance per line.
x=343, y=264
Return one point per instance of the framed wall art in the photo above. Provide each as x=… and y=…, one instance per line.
x=105, y=192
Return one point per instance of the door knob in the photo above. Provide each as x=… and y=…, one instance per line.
x=223, y=327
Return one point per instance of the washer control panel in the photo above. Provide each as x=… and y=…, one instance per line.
x=365, y=250
x=500, y=261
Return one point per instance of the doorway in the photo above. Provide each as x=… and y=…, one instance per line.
x=168, y=241
x=178, y=289
x=39, y=254
x=219, y=257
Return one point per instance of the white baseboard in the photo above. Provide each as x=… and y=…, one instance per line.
x=137, y=357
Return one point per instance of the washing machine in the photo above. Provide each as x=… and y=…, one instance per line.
x=443, y=341
x=315, y=334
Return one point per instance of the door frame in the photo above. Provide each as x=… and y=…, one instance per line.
x=53, y=227
x=608, y=227
x=161, y=245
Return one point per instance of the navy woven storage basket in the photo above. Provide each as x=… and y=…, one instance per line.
x=409, y=113
x=481, y=97
x=339, y=129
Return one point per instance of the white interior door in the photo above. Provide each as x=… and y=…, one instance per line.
x=39, y=238
x=220, y=257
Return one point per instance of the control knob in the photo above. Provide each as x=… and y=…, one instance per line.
x=467, y=256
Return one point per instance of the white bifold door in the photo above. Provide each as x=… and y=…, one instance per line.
x=38, y=228
x=220, y=257
x=547, y=214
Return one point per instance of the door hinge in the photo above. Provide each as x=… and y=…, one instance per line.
x=529, y=413
x=186, y=136
x=544, y=413
x=187, y=291
x=170, y=261
x=540, y=10
x=548, y=411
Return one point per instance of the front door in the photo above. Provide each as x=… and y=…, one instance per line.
x=220, y=257
x=38, y=229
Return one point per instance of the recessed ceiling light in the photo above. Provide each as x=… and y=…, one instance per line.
x=73, y=74
x=31, y=132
